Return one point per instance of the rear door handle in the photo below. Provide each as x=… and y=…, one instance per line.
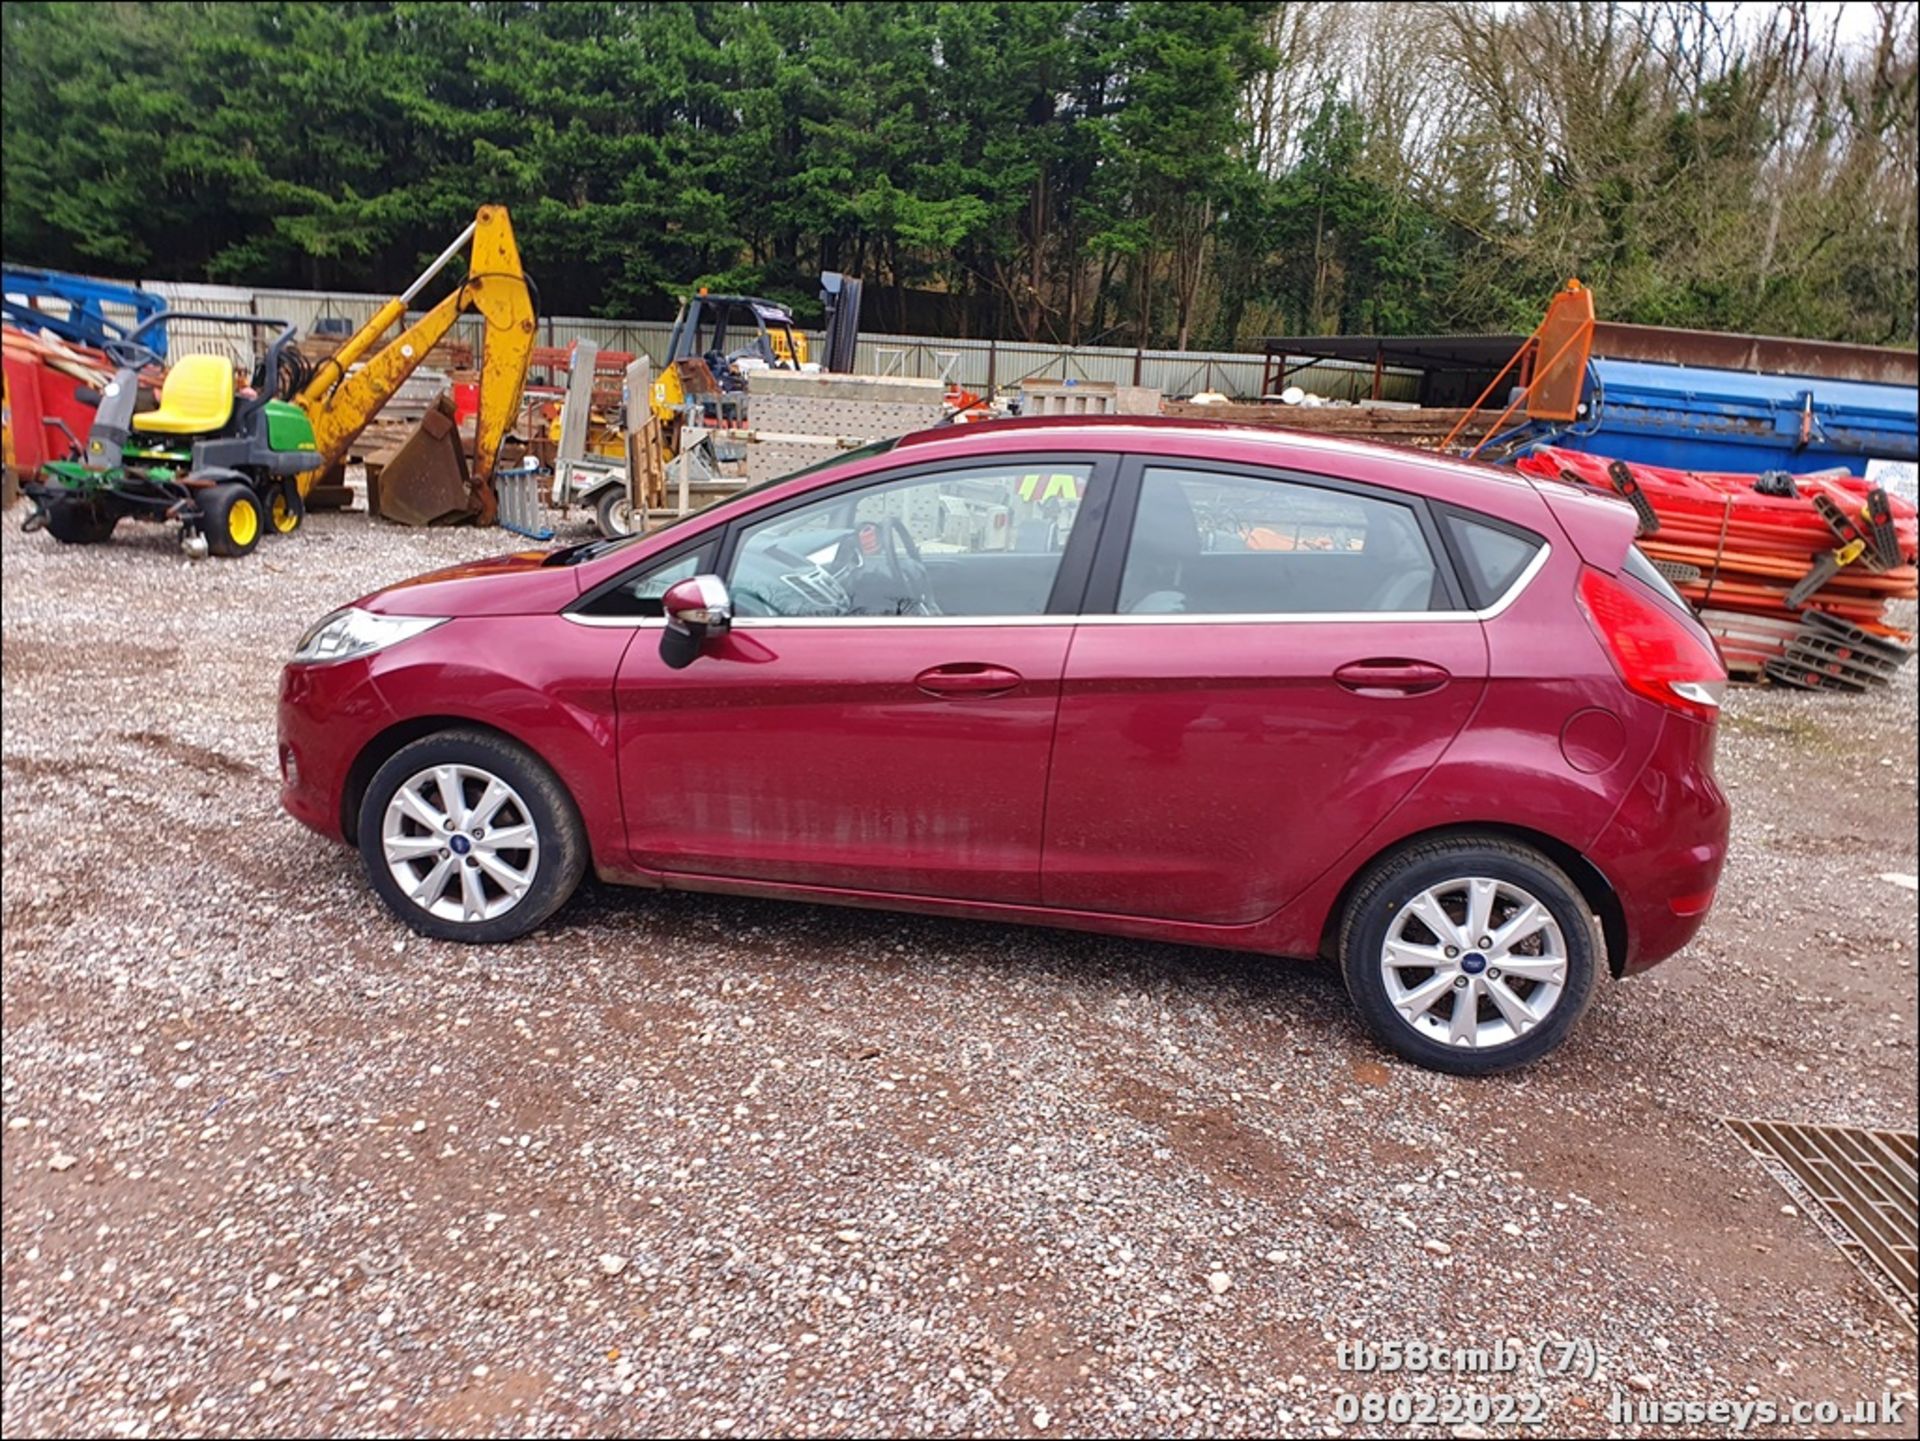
x=968, y=678
x=1392, y=675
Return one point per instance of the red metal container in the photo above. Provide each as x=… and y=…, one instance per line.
x=39, y=399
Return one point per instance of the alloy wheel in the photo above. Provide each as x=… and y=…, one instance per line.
x=460, y=843
x=1474, y=962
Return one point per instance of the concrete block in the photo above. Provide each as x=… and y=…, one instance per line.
x=771, y=460
x=889, y=389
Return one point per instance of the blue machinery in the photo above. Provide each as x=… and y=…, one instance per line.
x=1688, y=399
x=1695, y=418
x=86, y=321
x=1700, y=400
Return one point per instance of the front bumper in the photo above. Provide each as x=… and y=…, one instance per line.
x=328, y=715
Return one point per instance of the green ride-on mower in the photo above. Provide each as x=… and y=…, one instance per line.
x=224, y=466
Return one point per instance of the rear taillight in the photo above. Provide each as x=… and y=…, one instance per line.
x=1656, y=652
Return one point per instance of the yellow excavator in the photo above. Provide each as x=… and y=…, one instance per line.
x=230, y=464
x=341, y=402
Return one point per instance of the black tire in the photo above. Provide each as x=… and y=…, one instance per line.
x=286, y=511
x=231, y=518
x=562, y=847
x=1377, y=904
x=79, y=522
x=613, y=513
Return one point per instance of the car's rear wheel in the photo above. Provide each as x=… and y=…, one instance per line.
x=468, y=836
x=1471, y=955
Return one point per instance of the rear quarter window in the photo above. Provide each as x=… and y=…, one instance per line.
x=1491, y=554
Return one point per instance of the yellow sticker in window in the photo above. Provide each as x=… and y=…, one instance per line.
x=1064, y=487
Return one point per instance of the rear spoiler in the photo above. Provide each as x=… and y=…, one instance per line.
x=1601, y=527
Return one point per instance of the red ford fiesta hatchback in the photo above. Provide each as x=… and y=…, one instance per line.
x=1202, y=684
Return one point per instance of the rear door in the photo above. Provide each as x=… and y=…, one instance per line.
x=1268, y=663
x=880, y=716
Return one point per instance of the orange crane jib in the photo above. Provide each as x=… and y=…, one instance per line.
x=1552, y=363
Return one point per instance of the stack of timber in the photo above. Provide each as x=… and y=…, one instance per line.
x=1420, y=427
x=449, y=354
x=609, y=369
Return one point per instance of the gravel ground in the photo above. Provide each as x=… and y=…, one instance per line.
x=693, y=1165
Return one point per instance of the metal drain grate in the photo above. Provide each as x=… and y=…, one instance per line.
x=1861, y=1185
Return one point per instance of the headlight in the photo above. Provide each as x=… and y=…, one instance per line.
x=350, y=632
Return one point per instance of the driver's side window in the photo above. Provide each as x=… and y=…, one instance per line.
x=979, y=541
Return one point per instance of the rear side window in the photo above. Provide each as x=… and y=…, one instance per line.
x=1491, y=555
x=1206, y=543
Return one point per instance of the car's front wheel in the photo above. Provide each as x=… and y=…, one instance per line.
x=468, y=836
x=1467, y=954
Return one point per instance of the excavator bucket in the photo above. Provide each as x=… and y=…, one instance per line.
x=427, y=481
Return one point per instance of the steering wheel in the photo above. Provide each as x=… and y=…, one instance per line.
x=911, y=571
x=129, y=354
x=887, y=547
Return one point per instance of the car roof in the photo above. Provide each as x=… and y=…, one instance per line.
x=1444, y=477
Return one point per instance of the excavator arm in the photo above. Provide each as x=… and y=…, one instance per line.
x=341, y=401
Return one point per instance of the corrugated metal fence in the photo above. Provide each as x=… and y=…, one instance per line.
x=974, y=364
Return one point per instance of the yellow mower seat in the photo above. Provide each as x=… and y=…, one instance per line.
x=197, y=397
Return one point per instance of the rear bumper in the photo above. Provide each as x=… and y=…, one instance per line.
x=1666, y=844
x=328, y=714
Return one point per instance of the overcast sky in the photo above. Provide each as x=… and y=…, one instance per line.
x=1858, y=22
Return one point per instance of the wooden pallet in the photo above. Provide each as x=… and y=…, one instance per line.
x=647, y=465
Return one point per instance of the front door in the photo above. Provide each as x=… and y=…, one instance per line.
x=1282, y=662
x=881, y=714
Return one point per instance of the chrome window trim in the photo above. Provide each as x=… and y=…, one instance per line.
x=616, y=622
x=852, y=622
x=1520, y=582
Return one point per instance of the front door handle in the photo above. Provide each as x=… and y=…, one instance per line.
x=1392, y=675
x=967, y=678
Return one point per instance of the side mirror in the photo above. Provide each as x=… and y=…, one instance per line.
x=698, y=610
